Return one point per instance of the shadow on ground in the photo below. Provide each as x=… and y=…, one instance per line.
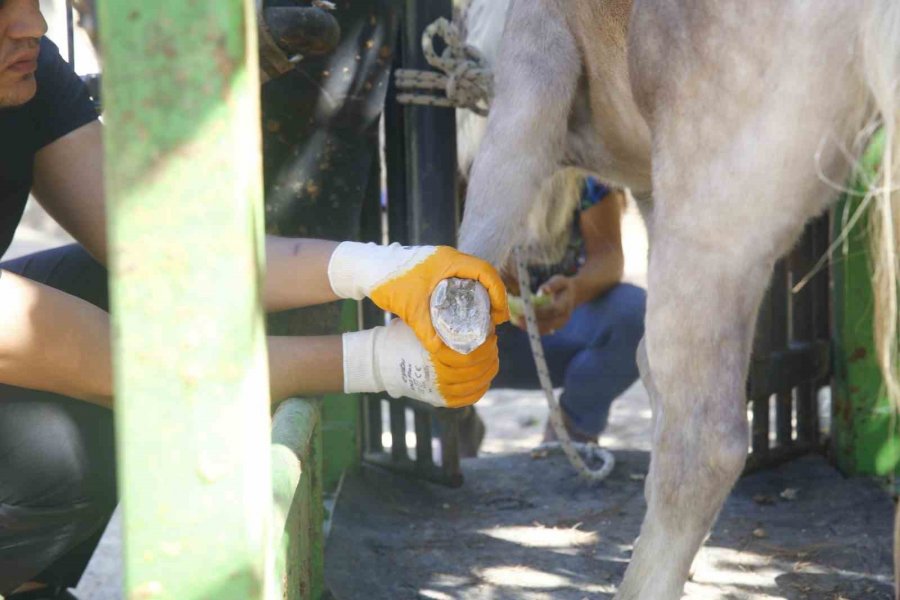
x=524, y=528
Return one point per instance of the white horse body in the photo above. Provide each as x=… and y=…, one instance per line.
x=733, y=115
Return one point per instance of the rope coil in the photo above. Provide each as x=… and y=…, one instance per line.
x=463, y=76
x=572, y=450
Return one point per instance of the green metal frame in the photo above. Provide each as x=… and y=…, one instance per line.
x=341, y=420
x=865, y=429
x=216, y=505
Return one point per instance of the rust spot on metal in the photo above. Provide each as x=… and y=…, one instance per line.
x=857, y=354
x=150, y=589
x=273, y=126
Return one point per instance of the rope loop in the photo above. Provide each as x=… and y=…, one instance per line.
x=462, y=78
x=574, y=451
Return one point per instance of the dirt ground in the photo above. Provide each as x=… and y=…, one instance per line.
x=521, y=528
x=527, y=529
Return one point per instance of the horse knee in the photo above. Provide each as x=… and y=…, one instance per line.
x=694, y=471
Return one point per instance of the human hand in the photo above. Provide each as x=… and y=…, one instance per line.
x=391, y=359
x=400, y=280
x=552, y=315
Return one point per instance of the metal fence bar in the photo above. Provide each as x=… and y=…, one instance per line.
x=297, y=492
x=791, y=356
x=759, y=434
x=802, y=260
x=184, y=185
x=70, y=31
x=422, y=208
x=398, y=432
x=779, y=333
x=424, y=454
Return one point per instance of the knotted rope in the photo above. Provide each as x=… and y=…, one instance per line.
x=572, y=450
x=462, y=74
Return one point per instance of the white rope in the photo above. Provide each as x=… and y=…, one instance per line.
x=463, y=77
x=572, y=450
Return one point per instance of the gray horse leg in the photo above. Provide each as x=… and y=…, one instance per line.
x=536, y=77
x=736, y=137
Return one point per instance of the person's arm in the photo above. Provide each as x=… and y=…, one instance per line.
x=603, y=268
x=58, y=343
x=52, y=341
x=601, y=230
x=68, y=182
x=297, y=273
x=55, y=342
x=69, y=185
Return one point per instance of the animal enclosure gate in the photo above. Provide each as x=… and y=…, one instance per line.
x=791, y=359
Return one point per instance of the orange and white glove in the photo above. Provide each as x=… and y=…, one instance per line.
x=400, y=279
x=391, y=359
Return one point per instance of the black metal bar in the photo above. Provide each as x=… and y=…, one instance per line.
x=422, y=208
x=430, y=135
x=434, y=475
x=424, y=455
x=800, y=363
x=70, y=31
x=821, y=292
x=801, y=262
x=775, y=456
x=779, y=332
x=372, y=413
x=762, y=349
x=398, y=432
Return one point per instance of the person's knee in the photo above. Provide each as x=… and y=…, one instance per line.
x=54, y=462
x=623, y=310
x=70, y=269
x=631, y=308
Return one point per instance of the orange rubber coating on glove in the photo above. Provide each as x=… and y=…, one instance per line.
x=464, y=382
x=408, y=295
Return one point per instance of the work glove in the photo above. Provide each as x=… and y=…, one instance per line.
x=391, y=359
x=400, y=280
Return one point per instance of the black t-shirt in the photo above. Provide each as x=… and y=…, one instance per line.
x=61, y=105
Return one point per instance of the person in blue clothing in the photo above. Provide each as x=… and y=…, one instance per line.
x=590, y=327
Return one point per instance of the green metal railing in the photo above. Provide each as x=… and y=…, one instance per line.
x=865, y=429
x=211, y=508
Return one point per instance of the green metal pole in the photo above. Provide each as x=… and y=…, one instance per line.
x=866, y=437
x=184, y=188
x=297, y=496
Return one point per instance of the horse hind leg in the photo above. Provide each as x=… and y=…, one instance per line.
x=726, y=206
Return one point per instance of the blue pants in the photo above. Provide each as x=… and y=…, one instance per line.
x=592, y=358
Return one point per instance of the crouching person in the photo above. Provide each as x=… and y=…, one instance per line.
x=57, y=451
x=590, y=323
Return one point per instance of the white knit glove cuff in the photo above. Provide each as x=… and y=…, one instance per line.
x=355, y=269
x=360, y=374
x=389, y=359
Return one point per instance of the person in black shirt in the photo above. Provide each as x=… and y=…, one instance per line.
x=57, y=461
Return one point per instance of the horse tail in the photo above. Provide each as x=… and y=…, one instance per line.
x=880, y=45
